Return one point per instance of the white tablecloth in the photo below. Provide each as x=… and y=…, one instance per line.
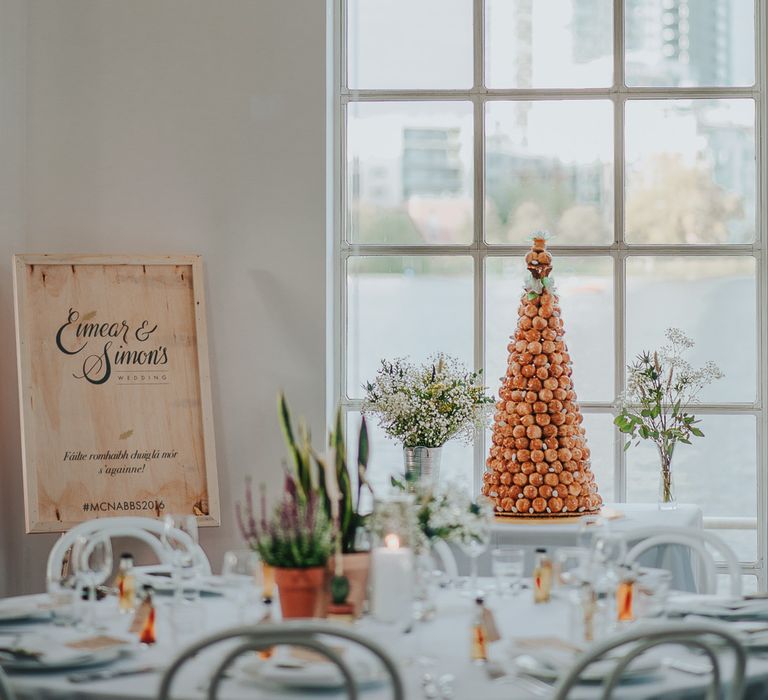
x=446, y=638
x=557, y=533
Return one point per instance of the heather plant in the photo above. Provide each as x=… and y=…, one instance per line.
x=297, y=534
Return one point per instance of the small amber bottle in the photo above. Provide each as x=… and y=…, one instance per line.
x=147, y=634
x=479, y=651
x=542, y=577
x=625, y=596
x=126, y=584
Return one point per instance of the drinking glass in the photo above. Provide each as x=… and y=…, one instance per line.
x=571, y=566
x=652, y=586
x=508, y=565
x=609, y=548
x=62, y=595
x=241, y=575
x=184, y=568
x=476, y=536
x=92, y=565
x=590, y=527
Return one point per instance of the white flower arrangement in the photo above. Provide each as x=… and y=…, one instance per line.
x=447, y=512
x=427, y=405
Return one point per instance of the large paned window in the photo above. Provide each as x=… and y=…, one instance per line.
x=635, y=132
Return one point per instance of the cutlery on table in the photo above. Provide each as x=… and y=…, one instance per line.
x=692, y=668
x=497, y=674
x=109, y=674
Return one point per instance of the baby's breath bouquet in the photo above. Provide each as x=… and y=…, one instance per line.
x=661, y=387
x=444, y=511
x=427, y=405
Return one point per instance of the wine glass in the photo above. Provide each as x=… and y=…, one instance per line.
x=609, y=548
x=241, y=575
x=508, y=567
x=92, y=565
x=475, y=538
x=571, y=566
x=183, y=563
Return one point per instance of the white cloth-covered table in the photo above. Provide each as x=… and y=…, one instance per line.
x=446, y=638
x=565, y=533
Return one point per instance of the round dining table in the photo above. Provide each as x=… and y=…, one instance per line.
x=436, y=649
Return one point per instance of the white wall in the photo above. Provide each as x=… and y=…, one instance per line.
x=174, y=126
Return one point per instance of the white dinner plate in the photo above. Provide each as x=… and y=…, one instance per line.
x=206, y=585
x=23, y=612
x=544, y=669
x=280, y=672
x=84, y=659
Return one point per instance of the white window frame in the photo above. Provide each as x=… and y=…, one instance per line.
x=340, y=250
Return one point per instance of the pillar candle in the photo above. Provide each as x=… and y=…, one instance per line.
x=392, y=581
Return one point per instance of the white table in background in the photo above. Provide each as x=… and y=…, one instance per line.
x=556, y=533
x=446, y=639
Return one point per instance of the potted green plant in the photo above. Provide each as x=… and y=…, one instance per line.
x=330, y=476
x=296, y=541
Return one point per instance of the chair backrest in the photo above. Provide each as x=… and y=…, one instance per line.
x=5, y=689
x=698, y=541
x=644, y=637
x=307, y=635
x=147, y=530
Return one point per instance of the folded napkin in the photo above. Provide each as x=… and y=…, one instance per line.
x=718, y=607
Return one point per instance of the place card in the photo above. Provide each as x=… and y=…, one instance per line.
x=489, y=624
x=140, y=617
x=97, y=643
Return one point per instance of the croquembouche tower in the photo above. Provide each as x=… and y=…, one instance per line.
x=539, y=464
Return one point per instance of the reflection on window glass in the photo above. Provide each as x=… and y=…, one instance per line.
x=689, y=43
x=691, y=174
x=585, y=288
x=711, y=299
x=549, y=43
x=409, y=173
x=717, y=472
x=549, y=165
x=409, y=44
x=406, y=307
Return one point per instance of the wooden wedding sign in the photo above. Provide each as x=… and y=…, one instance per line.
x=114, y=388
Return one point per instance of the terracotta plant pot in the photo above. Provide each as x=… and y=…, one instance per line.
x=356, y=568
x=301, y=591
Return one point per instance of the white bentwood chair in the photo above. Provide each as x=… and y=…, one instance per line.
x=307, y=635
x=147, y=530
x=5, y=689
x=640, y=639
x=699, y=541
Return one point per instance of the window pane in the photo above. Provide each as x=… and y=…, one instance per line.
x=601, y=438
x=691, y=174
x=549, y=165
x=409, y=44
x=743, y=542
x=386, y=457
x=712, y=299
x=690, y=43
x=717, y=472
x=549, y=43
x=585, y=288
x=406, y=306
x=409, y=172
